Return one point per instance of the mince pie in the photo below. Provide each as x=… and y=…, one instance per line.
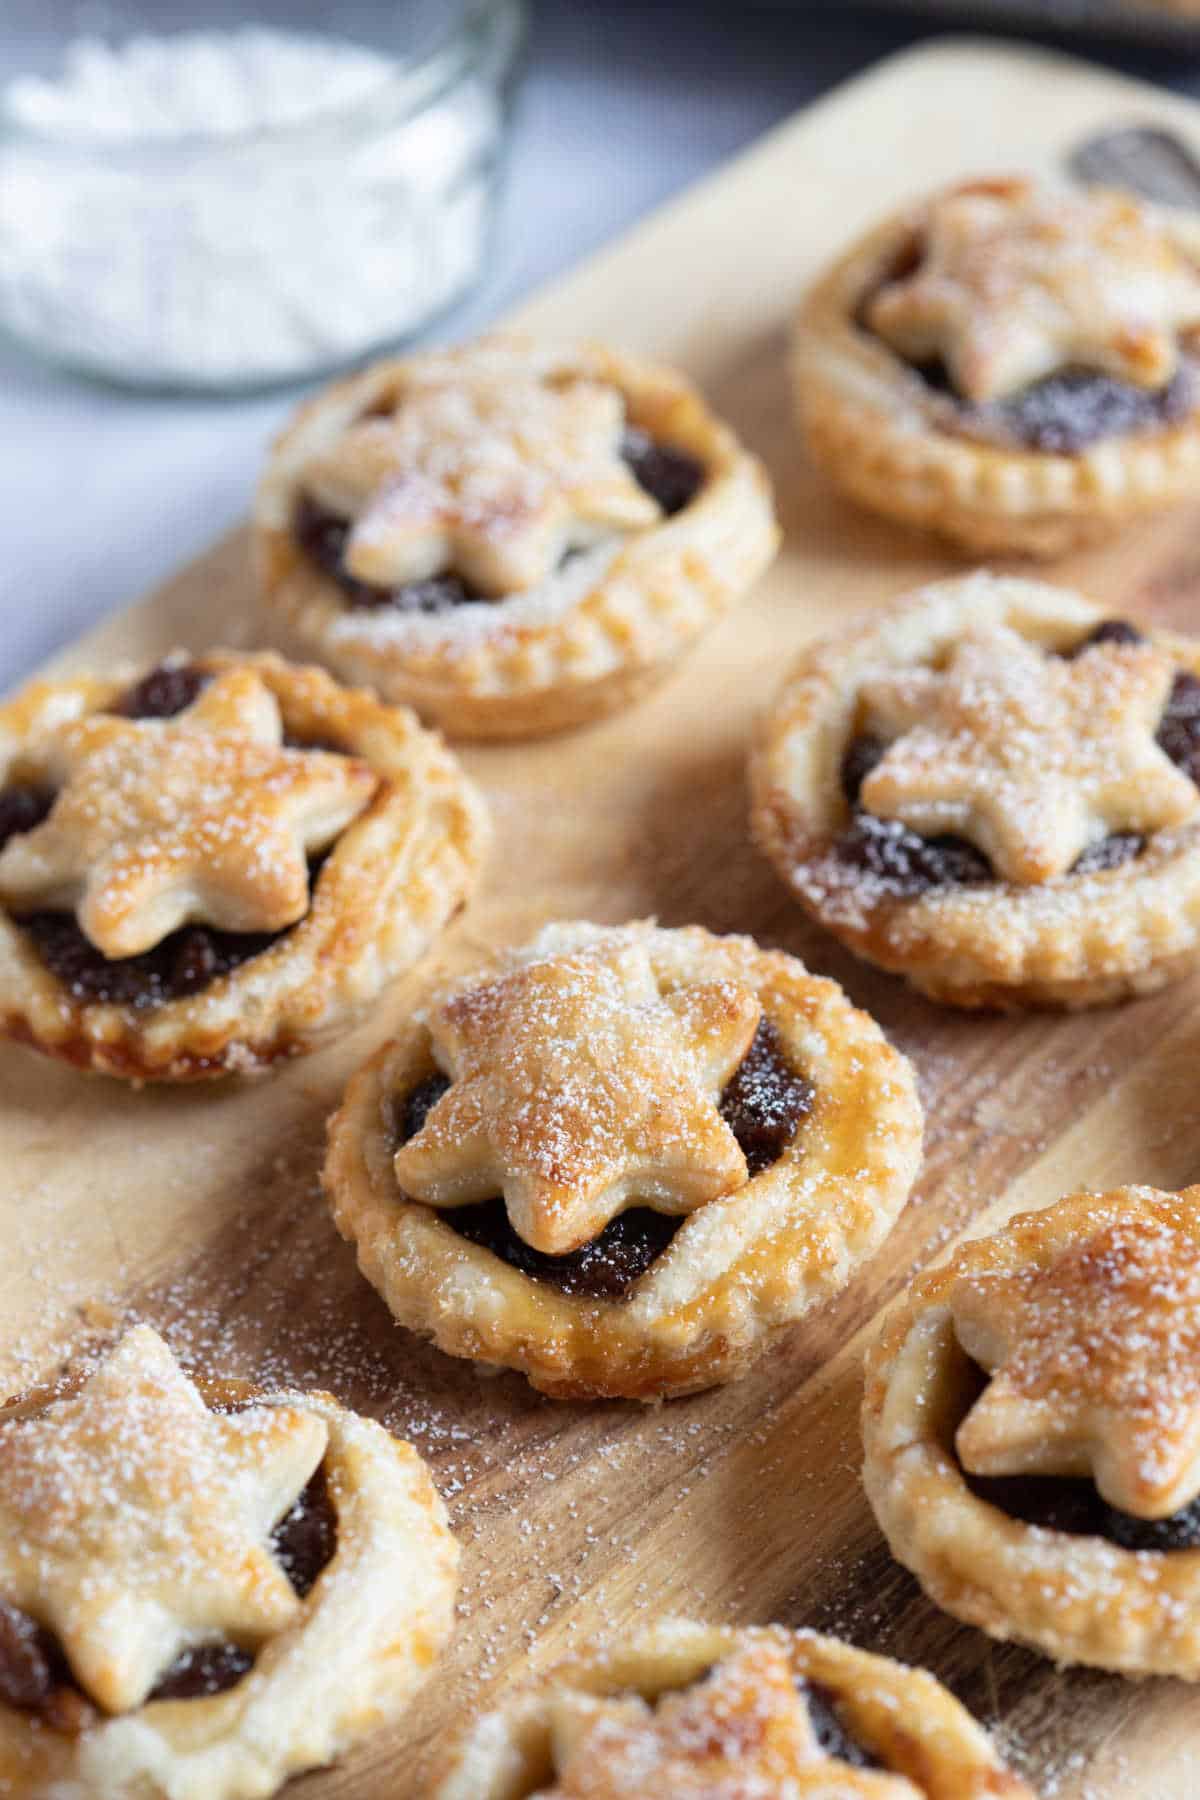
x=992, y=789
x=204, y=1588
x=1033, y=1432
x=1015, y=367
x=510, y=538
x=620, y=1158
x=700, y=1712
x=208, y=866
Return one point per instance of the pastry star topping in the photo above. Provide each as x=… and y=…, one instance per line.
x=1031, y=757
x=134, y=1523
x=578, y=1089
x=492, y=479
x=1094, y=1353
x=1015, y=284
x=199, y=818
x=744, y=1730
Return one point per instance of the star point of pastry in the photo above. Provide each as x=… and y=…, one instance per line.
x=135, y=1523
x=205, y=817
x=1094, y=1359
x=1015, y=284
x=1031, y=757
x=744, y=1729
x=493, y=479
x=578, y=1089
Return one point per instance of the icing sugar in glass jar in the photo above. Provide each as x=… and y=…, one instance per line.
x=227, y=206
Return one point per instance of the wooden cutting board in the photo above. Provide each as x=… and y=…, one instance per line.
x=202, y=1211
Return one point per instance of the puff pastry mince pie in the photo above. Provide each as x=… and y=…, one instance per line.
x=992, y=789
x=204, y=1588
x=1033, y=1432
x=512, y=538
x=620, y=1158
x=699, y=1712
x=1013, y=367
x=207, y=867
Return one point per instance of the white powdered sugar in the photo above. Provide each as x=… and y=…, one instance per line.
x=218, y=208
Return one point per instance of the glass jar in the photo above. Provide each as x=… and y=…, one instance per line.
x=222, y=208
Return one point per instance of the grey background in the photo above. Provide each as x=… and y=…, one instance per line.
x=105, y=492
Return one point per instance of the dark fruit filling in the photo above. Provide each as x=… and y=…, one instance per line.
x=418, y=1104
x=306, y=1537
x=1075, y=1505
x=1065, y=413
x=670, y=476
x=825, y=1716
x=1179, y=728
x=1179, y=731
x=908, y=865
x=1059, y=1503
x=1069, y=412
x=164, y=692
x=322, y=535
x=763, y=1104
x=605, y=1269
x=1109, y=631
x=830, y=1731
x=863, y=756
x=21, y=808
x=765, y=1100
x=888, y=851
x=34, y=1674
x=184, y=963
x=36, y=1677
x=204, y=1670
x=911, y=865
x=1109, y=853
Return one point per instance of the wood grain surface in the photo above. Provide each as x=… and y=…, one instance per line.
x=201, y=1210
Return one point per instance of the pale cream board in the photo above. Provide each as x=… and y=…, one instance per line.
x=201, y=1209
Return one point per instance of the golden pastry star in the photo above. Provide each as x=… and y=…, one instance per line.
x=133, y=1522
x=492, y=479
x=202, y=817
x=743, y=1730
x=1031, y=757
x=1015, y=284
x=579, y=1090
x=1095, y=1362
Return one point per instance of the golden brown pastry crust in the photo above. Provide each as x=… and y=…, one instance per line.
x=1082, y=940
x=883, y=434
x=596, y=637
x=1079, y=1599
x=905, y=1717
x=369, y=1632
x=738, y=1269
x=400, y=871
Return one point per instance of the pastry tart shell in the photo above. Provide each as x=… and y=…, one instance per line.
x=1078, y=1599
x=881, y=434
x=1082, y=940
x=903, y=1715
x=737, y=1270
x=394, y=878
x=595, y=638
x=373, y=1625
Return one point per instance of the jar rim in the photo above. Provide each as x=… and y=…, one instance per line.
x=485, y=36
